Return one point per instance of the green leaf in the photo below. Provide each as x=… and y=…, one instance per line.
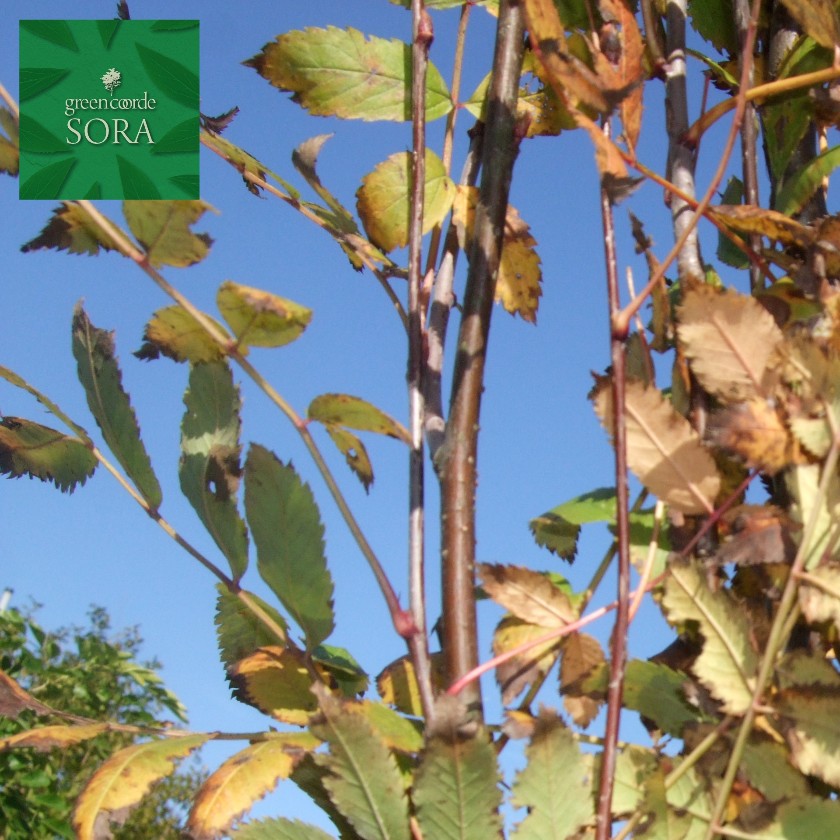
x=209, y=469
x=163, y=229
x=279, y=828
x=261, y=319
x=35, y=80
x=48, y=181
x=714, y=20
x=173, y=332
x=107, y=28
x=728, y=662
x=240, y=632
x=340, y=73
x=343, y=668
x=55, y=31
x=726, y=250
x=287, y=530
x=456, y=793
x=71, y=228
x=309, y=777
x=182, y=138
x=363, y=781
x=554, y=786
x=354, y=453
x=558, y=529
x=174, y=80
x=109, y=403
x=384, y=199
x=188, y=184
x=136, y=184
x=802, y=184
x=28, y=448
x=355, y=413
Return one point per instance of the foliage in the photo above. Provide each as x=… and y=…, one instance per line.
x=81, y=673
x=746, y=694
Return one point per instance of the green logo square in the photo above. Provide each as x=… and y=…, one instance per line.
x=109, y=109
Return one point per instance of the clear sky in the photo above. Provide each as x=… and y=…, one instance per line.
x=541, y=443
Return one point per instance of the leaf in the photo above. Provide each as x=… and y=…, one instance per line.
x=523, y=669
x=14, y=699
x=729, y=340
x=100, y=375
x=519, y=276
x=555, y=785
x=396, y=732
x=28, y=448
x=188, y=184
x=35, y=80
x=355, y=413
x=755, y=431
x=261, y=319
x=558, y=529
x=48, y=181
x=818, y=18
x=181, y=138
x=767, y=767
x=727, y=664
x=456, y=794
x=217, y=125
x=287, y=530
x=819, y=596
x=55, y=31
x=34, y=137
x=174, y=332
x=278, y=828
x=529, y=595
x=71, y=228
x=747, y=218
x=715, y=22
x=727, y=251
x=363, y=781
x=243, y=779
x=397, y=684
x=174, y=80
x=163, y=229
x=809, y=500
x=802, y=184
x=383, y=201
x=136, y=184
x=582, y=654
x=309, y=777
x=276, y=681
x=342, y=668
x=662, y=449
x=240, y=631
x=9, y=156
x=107, y=30
x=123, y=780
x=209, y=468
x=340, y=73
x=354, y=453
x=46, y=738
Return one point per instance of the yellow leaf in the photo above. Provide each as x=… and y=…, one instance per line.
x=662, y=449
x=529, y=595
x=124, y=779
x=276, y=681
x=397, y=684
x=243, y=779
x=729, y=339
x=582, y=654
x=46, y=738
x=173, y=332
x=519, y=672
x=747, y=218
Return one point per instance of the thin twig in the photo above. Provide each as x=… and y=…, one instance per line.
x=618, y=652
x=421, y=41
x=10, y=101
x=457, y=457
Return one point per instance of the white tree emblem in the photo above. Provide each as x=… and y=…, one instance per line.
x=111, y=79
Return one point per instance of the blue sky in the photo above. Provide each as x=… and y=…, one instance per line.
x=541, y=443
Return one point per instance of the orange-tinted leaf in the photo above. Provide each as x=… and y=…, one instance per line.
x=755, y=432
x=46, y=738
x=243, y=779
x=663, y=450
x=276, y=681
x=14, y=700
x=123, y=780
x=529, y=595
x=729, y=340
x=582, y=654
x=519, y=672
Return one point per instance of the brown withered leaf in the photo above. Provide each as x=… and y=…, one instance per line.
x=759, y=534
x=519, y=672
x=582, y=654
x=14, y=700
x=47, y=738
x=529, y=595
x=820, y=598
x=748, y=218
x=755, y=432
x=663, y=450
x=818, y=18
x=729, y=340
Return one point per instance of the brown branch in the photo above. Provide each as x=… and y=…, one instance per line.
x=457, y=456
x=418, y=640
x=618, y=653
